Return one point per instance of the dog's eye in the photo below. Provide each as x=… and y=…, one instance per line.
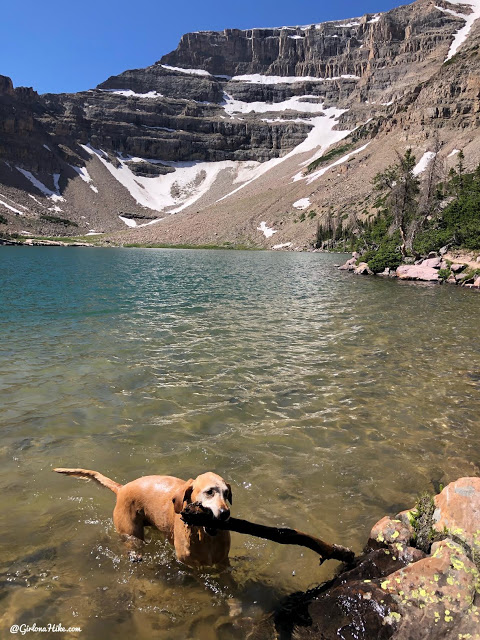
x=210, y=492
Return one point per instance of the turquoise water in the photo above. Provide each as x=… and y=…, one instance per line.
x=326, y=400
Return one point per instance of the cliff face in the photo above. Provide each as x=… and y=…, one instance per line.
x=187, y=133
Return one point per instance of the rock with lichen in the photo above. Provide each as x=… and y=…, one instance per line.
x=418, y=578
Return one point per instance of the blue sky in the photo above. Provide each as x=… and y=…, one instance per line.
x=58, y=45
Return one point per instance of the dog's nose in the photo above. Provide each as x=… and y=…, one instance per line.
x=224, y=514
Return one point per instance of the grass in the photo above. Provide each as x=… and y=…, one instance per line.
x=330, y=155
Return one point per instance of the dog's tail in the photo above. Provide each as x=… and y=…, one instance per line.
x=91, y=475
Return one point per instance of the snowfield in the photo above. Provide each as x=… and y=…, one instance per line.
x=462, y=34
x=425, y=160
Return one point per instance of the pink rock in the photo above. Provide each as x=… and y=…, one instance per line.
x=434, y=263
x=363, y=270
x=388, y=531
x=417, y=272
x=458, y=510
x=349, y=265
x=436, y=593
x=477, y=282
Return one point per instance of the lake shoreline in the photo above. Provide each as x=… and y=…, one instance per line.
x=461, y=269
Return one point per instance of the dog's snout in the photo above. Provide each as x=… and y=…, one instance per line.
x=224, y=514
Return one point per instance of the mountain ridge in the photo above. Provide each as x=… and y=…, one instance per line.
x=209, y=143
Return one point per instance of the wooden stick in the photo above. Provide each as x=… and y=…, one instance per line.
x=198, y=516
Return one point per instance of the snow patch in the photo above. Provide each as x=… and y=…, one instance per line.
x=193, y=72
x=267, y=232
x=318, y=174
x=85, y=176
x=45, y=146
x=304, y=203
x=128, y=221
x=20, y=213
x=295, y=103
x=453, y=153
x=462, y=34
x=83, y=173
x=321, y=135
x=285, y=245
x=172, y=192
x=257, y=78
x=41, y=187
x=425, y=160
x=128, y=93
x=347, y=25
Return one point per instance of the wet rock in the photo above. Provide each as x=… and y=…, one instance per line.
x=417, y=272
x=364, y=612
x=363, y=270
x=394, y=590
x=349, y=265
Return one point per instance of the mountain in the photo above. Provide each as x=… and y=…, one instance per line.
x=214, y=143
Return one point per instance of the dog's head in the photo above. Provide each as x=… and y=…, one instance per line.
x=210, y=490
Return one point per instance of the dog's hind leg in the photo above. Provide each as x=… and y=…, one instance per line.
x=129, y=523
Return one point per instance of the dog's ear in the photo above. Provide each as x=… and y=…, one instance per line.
x=229, y=494
x=183, y=495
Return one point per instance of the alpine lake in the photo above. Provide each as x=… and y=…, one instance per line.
x=327, y=400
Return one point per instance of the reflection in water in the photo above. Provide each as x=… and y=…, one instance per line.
x=326, y=400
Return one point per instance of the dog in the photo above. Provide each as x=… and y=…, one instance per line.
x=157, y=501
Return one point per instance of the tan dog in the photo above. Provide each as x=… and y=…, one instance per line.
x=157, y=501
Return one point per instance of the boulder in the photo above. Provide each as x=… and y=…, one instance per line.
x=434, y=263
x=397, y=591
x=389, y=531
x=435, y=595
x=458, y=512
x=363, y=270
x=457, y=268
x=477, y=282
x=417, y=272
x=349, y=265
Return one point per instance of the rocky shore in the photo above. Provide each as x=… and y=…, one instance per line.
x=459, y=269
x=418, y=578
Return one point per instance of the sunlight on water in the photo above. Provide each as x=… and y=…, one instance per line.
x=326, y=400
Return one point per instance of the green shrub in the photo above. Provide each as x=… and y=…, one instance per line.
x=57, y=220
x=330, y=155
x=443, y=274
x=431, y=240
x=388, y=256
x=3, y=220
